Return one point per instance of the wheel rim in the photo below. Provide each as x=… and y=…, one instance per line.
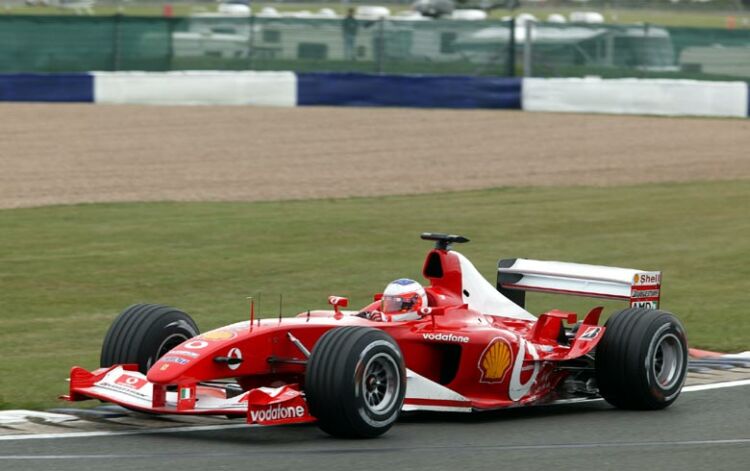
x=166, y=345
x=667, y=360
x=380, y=383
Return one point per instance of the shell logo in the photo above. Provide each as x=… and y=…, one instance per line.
x=636, y=279
x=218, y=335
x=495, y=361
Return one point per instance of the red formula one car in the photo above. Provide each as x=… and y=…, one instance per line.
x=471, y=347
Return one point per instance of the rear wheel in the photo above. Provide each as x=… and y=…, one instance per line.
x=143, y=333
x=355, y=382
x=641, y=361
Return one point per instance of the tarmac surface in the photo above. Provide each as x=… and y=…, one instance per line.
x=703, y=429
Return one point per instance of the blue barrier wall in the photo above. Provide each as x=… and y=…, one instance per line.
x=423, y=91
x=408, y=91
x=44, y=87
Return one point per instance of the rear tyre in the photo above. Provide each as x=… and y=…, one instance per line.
x=355, y=382
x=143, y=333
x=641, y=361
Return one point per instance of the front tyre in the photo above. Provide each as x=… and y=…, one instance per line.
x=355, y=382
x=641, y=362
x=143, y=333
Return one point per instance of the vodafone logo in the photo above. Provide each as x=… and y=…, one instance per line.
x=441, y=337
x=196, y=344
x=132, y=382
x=234, y=353
x=277, y=413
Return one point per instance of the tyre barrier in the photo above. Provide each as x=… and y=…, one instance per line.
x=579, y=95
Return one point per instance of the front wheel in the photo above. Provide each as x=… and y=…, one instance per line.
x=355, y=382
x=641, y=362
x=143, y=333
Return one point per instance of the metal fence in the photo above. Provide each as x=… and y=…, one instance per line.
x=644, y=50
x=70, y=43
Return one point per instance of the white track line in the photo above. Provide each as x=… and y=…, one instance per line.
x=110, y=433
x=428, y=448
x=725, y=384
x=206, y=428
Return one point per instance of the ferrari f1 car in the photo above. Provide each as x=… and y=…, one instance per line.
x=473, y=347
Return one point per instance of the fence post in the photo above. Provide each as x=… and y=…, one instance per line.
x=381, y=45
x=170, y=44
x=527, y=59
x=251, y=43
x=511, y=71
x=116, y=42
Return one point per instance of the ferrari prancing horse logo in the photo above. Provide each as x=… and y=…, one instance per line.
x=495, y=361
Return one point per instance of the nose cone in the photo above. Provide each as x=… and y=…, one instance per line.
x=193, y=357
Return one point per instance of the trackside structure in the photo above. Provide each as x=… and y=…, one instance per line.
x=614, y=96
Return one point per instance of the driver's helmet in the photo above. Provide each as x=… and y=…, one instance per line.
x=402, y=300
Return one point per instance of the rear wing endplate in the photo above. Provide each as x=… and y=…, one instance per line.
x=516, y=276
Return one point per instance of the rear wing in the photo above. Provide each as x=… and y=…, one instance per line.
x=516, y=276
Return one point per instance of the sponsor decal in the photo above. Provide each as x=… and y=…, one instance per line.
x=171, y=359
x=164, y=367
x=644, y=293
x=130, y=381
x=277, y=413
x=130, y=387
x=590, y=333
x=443, y=337
x=184, y=353
x=218, y=335
x=196, y=344
x=495, y=361
x=184, y=394
x=234, y=353
x=646, y=279
x=645, y=304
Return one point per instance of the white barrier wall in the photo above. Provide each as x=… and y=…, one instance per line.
x=636, y=96
x=196, y=88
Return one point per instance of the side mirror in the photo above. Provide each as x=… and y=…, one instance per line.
x=336, y=302
x=377, y=297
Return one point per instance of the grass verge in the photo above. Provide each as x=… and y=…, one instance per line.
x=66, y=271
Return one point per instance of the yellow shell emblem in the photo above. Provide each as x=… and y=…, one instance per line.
x=218, y=335
x=495, y=361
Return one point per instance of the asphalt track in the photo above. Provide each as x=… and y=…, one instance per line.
x=707, y=429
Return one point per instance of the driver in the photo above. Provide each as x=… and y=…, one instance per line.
x=402, y=300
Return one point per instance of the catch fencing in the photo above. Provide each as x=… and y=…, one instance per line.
x=382, y=46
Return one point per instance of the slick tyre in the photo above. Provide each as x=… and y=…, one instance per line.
x=641, y=361
x=143, y=333
x=355, y=382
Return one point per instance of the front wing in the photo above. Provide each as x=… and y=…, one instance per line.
x=124, y=385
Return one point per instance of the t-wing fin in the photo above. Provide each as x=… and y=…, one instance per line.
x=454, y=276
x=481, y=296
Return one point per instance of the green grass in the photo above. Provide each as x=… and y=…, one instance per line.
x=66, y=271
x=665, y=17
